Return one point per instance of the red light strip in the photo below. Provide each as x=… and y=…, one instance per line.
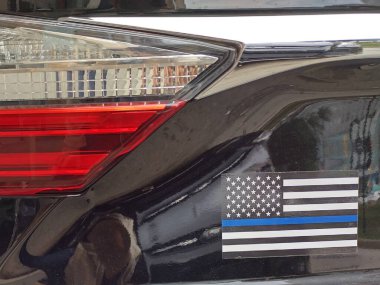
x=103, y=108
x=65, y=148
x=68, y=132
x=29, y=173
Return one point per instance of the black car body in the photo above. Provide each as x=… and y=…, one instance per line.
x=154, y=215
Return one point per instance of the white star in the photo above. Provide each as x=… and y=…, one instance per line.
x=238, y=196
x=268, y=205
x=243, y=201
x=258, y=205
x=228, y=215
x=253, y=200
x=278, y=186
x=249, y=196
x=248, y=178
x=228, y=206
x=278, y=177
x=233, y=192
x=233, y=210
x=273, y=191
x=263, y=182
x=238, y=206
x=278, y=195
x=268, y=177
x=268, y=214
x=253, y=191
x=248, y=214
x=263, y=209
x=233, y=183
x=228, y=197
x=253, y=182
x=258, y=214
x=248, y=187
x=243, y=210
x=268, y=186
x=258, y=178
x=273, y=209
x=243, y=192
x=278, y=213
x=248, y=206
x=228, y=188
x=238, y=215
x=253, y=210
x=228, y=179
x=273, y=182
x=258, y=187
x=238, y=188
x=263, y=191
x=273, y=200
x=243, y=183
x=238, y=178
x=233, y=201
x=258, y=195
x=278, y=204
x=263, y=200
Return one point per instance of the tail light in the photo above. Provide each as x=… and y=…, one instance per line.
x=75, y=98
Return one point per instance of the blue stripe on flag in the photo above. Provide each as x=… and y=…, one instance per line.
x=289, y=221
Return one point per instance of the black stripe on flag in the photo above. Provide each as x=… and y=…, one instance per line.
x=286, y=214
x=321, y=188
x=294, y=252
x=321, y=200
x=289, y=239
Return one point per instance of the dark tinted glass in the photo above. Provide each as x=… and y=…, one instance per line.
x=55, y=8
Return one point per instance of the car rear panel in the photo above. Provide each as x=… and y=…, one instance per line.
x=155, y=216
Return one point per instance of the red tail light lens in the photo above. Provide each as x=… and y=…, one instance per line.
x=63, y=148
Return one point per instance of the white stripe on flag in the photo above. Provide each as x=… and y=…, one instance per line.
x=289, y=233
x=321, y=181
x=289, y=245
x=320, y=207
x=321, y=194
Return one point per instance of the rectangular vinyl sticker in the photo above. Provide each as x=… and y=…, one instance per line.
x=289, y=213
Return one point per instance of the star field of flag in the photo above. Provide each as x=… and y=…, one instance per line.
x=248, y=196
x=289, y=213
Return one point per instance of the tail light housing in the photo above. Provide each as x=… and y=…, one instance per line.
x=76, y=98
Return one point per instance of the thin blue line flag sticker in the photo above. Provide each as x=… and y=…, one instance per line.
x=289, y=214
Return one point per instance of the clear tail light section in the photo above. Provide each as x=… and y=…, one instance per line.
x=49, y=65
x=75, y=98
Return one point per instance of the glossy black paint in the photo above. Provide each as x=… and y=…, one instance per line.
x=318, y=114
x=260, y=52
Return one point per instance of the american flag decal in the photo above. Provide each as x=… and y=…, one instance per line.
x=289, y=213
